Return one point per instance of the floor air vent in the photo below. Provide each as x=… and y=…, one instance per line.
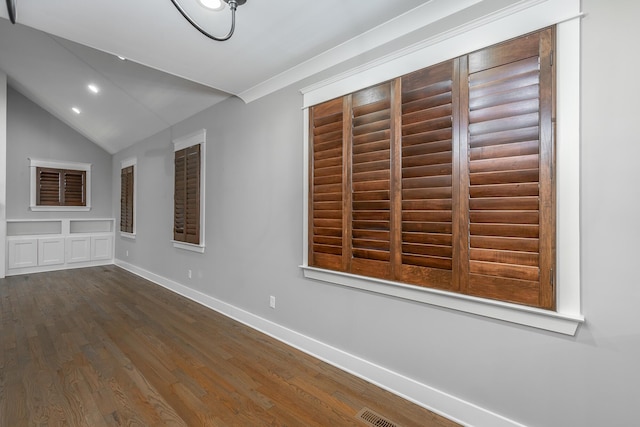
x=374, y=419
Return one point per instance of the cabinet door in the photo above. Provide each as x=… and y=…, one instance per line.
x=101, y=247
x=23, y=253
x=78, y=249
x=51, y=251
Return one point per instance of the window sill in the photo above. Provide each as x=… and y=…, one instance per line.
x=60, y=208
x=188, y=246
x=131, y=236
x=564, y=323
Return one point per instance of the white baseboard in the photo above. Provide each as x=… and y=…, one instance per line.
x=449, y=406
x=59, y=267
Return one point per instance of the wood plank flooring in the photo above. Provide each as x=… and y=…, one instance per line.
x=103, y=347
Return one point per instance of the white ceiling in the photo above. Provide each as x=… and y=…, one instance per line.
x=58, y=47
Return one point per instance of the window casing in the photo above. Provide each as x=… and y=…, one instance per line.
x=128, y=198
x=60, y=186
x=189, y=170
x=565, y=14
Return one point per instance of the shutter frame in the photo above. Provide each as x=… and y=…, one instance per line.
x=74, y=192
x=48, y=188
x=327, y=186
x=370, y=241
x=501, y=168
x=429, y=162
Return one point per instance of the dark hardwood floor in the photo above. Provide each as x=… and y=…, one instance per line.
x=103, y=347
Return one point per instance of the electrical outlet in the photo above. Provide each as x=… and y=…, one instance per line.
x=189, y=274
x=272, y=301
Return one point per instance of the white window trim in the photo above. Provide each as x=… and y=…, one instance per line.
x=35, y=163
x=565, y=14
x=133, y=161
x=188, y=246
x=196, y=138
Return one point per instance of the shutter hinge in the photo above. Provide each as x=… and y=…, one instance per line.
x=551, y=279
x=551, y=58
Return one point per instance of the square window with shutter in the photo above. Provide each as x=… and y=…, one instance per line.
x=60, y=187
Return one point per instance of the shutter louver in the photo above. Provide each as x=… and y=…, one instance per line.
x=48, y=189
x=371, y=181
x=326, y=192
x=427, y=167
x=509, y=135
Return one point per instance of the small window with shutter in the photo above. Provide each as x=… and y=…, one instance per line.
x=60, y=186
x=188, y=195
x=127, y=198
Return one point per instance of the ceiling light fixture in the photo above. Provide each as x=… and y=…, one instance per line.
x=215, y=5
x=233, y=5
x=93, y=88
x=121, y=58
x=75, y=110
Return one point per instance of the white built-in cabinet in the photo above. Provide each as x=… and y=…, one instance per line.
x=56, y=244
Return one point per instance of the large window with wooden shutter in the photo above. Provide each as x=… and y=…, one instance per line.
x=443, y=178
x=188, y=224
x=127, y=197
x=60, y=186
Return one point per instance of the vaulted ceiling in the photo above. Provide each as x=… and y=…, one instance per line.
x=172, y=71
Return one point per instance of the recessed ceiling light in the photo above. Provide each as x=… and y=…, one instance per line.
x=93, y=88
x=212, y=4
x=75, y=110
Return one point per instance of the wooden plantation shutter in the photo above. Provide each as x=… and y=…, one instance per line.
x=74, y=188
x=371, y=181
x=443, y=177
x=126, y=199
x=48, y=188
x=326, y=187
x=429, y=158
x=60, y=187
x=187, y=195
x=511, y=225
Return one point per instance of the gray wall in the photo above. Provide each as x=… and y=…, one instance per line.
x=254, y=246
x=3, y=176
x=32, y=132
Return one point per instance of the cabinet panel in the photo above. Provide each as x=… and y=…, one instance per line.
x=51, y=251
x=23, y=253
x=101, y=247
x=78, y=249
